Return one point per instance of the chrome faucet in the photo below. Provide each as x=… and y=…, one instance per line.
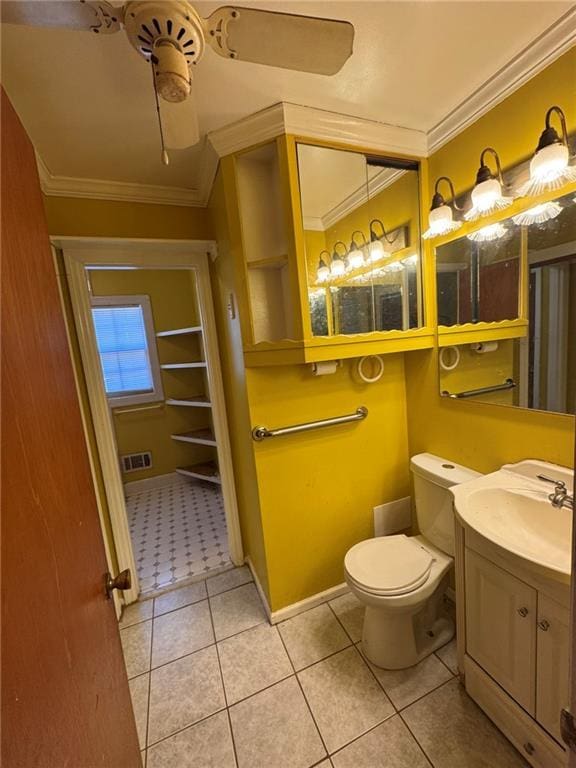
x=560, y=497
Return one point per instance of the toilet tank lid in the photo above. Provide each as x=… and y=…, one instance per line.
x=441, y=471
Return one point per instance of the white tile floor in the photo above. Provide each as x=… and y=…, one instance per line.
x=178, y=532
x=215, y=686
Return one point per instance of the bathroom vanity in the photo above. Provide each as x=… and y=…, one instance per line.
x=513, y=589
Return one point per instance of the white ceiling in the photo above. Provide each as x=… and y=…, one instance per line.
x=88, y=105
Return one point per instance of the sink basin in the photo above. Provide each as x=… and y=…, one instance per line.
x=511, y=508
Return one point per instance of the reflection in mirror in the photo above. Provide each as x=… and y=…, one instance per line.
x=479, y=280
x=361, y=230
x=538, y=370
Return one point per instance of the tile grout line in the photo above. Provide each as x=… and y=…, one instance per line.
x=149, y=691
x=223, y=685
x=303, y=694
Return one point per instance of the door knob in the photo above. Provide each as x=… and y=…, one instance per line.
x=122, y=581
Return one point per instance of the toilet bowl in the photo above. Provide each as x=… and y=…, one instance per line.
x=401, y=580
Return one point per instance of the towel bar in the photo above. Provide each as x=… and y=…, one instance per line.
x=261, y=433
x=508, y=384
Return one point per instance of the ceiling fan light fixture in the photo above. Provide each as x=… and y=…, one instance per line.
x=538, y=214
x=549, y=167
x=172, y=76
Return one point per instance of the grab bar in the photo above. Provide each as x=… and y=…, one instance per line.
x=261, y=433
x=139, y=408
x=508, y=384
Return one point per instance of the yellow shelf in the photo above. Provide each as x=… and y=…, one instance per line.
x=470, y=333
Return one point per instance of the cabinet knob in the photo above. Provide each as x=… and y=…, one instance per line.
x=523, y=612
x=544, y=625
x=529, y=748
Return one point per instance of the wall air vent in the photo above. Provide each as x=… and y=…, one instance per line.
x=133, y=462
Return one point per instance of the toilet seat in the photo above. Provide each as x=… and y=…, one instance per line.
x=388, y=565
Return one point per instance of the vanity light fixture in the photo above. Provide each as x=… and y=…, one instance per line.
x=338, y=264
x=487, y=194
x=376, y=249
x=355, y=254
x=488, y=233
x=538, y=214
x=394, y=266
x=410, y=261
x=323, y=271
x=441, y=216
x=549, y=169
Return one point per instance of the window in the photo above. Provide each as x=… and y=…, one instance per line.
x=127, y=347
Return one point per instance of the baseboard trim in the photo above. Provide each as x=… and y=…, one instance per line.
x=261, y=592
x=309, y=602
x=158, y=481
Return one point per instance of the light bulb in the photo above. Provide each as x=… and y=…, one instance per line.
x=323, y=273
x=538, y=214
x=486, y=234
x=487, y=197
x=355, y=258
x=337, y=267
x=549, y=170
x=440, y=222
x=376, y=251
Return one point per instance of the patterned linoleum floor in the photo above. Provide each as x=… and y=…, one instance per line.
x=215, y=686
x=178, y=532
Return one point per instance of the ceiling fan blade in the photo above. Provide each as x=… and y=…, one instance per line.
x=88, y=16
x=179, y=123
x=303, y=43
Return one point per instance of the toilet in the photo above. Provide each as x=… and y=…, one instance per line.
x=401, y=579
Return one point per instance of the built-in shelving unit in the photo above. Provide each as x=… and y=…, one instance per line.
x=198, y=434
x=196, y=401
x=180, y=331
x=206, y=471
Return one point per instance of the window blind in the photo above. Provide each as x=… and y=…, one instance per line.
x=123, y=348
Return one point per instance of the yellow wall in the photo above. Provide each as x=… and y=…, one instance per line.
x=80, y=217
x=318, y=489
x=479, y=435
x=173, y=302
x=224, y=278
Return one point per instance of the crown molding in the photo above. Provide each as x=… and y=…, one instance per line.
x=541, y=52
x=316, y=124
x=375, y=185
x=102, y=189
x=329, y=126
x=313, y=223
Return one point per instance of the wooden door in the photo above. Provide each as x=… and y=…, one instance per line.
x=65, y=697
x=501, y=627
x=553, y=639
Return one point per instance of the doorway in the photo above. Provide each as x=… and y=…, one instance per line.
x=147, y=338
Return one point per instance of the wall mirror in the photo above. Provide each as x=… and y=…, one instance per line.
x=478, y=280
x=537, y=370
x=361, y=219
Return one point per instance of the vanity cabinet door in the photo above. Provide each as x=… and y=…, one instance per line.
x=552, y=640
x=500, y=627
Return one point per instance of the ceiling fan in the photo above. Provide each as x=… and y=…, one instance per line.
x=172, y=37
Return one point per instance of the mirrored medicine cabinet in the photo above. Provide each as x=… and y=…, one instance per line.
x=361, y=222
x=482, y=282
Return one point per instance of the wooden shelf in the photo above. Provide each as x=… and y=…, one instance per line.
x=180, y=331
x=183, y=366
x=196, y=401
x=206, y=471
x=273, y=262
x=200, y=436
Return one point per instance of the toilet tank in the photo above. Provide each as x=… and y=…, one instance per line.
x=433, y=477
